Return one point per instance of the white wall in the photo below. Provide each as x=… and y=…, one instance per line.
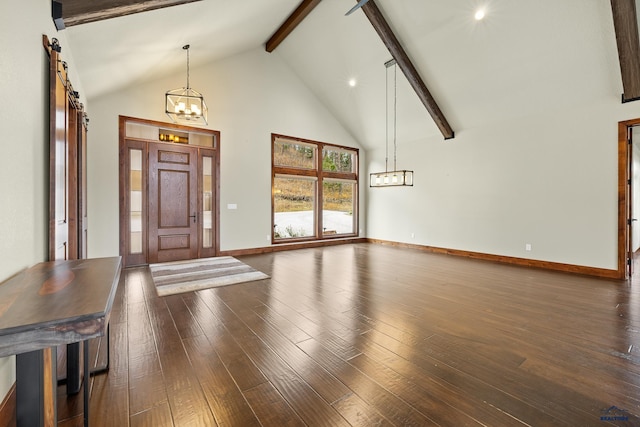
x=549, y=180
x=25, y=150
x=249, y=96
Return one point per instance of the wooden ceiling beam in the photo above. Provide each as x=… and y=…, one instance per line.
x=385, y=32
x=290, y=24
x=76, y=12
x=625, y=22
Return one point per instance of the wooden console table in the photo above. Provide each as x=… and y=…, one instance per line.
x=50, y=304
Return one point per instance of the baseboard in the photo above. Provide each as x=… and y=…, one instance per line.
x=8, y=408
x=292, y=246
x=546, y=265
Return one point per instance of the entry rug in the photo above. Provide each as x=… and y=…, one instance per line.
x=196, y=274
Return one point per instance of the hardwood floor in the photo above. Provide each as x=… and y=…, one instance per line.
x=371, y=335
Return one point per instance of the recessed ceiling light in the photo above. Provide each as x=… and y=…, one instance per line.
x=353, y=82
x=479, y=14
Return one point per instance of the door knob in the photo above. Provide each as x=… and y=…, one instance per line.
x=193, y=216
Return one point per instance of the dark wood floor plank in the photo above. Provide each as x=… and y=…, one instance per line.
x=307, y=403
x=447, y=372
x=157, y=416
x=189, y=405
x=244, y=372
x=185, y=322
x=135, y=284
x=109, y=403
x=439, y=381
x=510, y=380
x=271, y=408
x=390, y=406
x=186, y=398
x=284, y=325
x=418, y=397
x=368, y=334
x=325, y=384
x=146, y=384
x=564, y=356
x=146, y=381
x=359, y=413
x=313, y=325
x=226, y=400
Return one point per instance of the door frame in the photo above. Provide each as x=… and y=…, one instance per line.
x=625, y=258
x=141, y=142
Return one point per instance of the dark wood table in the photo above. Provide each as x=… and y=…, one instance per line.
x=50, y=304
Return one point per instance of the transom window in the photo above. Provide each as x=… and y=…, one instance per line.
x=314, y=189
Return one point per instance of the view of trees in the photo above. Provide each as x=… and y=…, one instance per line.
x=297, y=194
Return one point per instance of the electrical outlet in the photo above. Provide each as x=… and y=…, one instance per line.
x=527, y=247
x=268, y=237
x=413, y=235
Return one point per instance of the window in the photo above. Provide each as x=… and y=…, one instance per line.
x=314, y=190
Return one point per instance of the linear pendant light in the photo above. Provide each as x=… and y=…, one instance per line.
x=394, y=178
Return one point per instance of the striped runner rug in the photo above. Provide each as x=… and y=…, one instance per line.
x=196, y=274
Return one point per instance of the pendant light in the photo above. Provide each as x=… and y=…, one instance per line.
x=395, y=177
x=186, y=105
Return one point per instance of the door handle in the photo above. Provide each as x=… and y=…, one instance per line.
x=193, y=216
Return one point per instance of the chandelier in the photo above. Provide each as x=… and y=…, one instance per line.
x=185, y=104
x=395, y=177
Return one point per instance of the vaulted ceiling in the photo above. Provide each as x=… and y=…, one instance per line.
x=523, y=58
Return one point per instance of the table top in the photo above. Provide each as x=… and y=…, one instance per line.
x=57, y=302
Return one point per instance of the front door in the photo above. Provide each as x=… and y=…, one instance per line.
x=173, y=203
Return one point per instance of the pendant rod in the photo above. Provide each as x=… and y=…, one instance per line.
x=186, y=47
x=386, y=128
x=395, y=115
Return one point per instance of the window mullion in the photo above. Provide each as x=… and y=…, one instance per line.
x=319, y=192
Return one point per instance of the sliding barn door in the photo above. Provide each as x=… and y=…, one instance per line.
x=82, y=188
x=173, y=202
x=59, y=247
x=67, y=166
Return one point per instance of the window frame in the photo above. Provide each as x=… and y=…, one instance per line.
x=320, y=175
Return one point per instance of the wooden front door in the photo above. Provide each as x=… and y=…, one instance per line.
x=173, y=203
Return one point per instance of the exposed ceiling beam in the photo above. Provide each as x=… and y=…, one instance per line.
x=381, y=26
x=76, y=12
x=625, y=21
x=291, y=23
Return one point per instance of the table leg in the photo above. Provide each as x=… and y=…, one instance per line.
x=36, y=388
x=74, y=379
x=87, y=377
